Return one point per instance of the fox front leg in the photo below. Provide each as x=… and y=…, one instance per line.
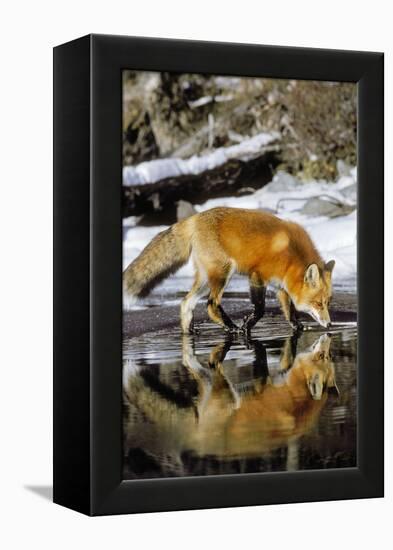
x=257, y=297
x=289, y=310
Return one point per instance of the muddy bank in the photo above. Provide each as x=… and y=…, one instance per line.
x=343, y=309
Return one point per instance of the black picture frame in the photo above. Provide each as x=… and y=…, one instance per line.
x=88, y=266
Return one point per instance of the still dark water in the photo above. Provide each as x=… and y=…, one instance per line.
x=208, y=405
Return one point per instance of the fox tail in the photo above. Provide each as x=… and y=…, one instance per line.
x=164, y=255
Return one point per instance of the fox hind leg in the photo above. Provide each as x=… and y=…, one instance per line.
x=218, y=353
x=190, y=301
x=217, y=282
x=289, y=310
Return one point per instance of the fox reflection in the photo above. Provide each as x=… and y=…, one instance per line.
x=227, y=420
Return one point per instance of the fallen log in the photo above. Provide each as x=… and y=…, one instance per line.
x=157, y=202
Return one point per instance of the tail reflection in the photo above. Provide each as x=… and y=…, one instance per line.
x=207, y=408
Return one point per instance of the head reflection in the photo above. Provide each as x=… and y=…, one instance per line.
x=218, y=406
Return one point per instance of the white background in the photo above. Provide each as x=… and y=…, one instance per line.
x=29, y=30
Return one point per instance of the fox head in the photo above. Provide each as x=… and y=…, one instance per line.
x=316, y=292
x=318, y=368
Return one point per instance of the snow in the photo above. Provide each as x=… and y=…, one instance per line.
x=335, y=238
x=155, y=170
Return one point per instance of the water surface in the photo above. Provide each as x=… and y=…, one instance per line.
x=208, y=405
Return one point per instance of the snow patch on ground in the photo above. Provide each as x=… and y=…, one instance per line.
x=156, y=170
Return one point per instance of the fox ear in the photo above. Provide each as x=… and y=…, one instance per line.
x=311, y=275
x=329, y=266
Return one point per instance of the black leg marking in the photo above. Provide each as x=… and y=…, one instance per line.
x=294, y=340
x=227, y=320
x=257, y=296
x=219, y=313
x=261, y=368
x=219, y=352
x=296, y=324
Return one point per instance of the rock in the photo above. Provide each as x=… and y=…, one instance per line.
x=184, y=210
x=282, y=181
x=157, y=202
x=324, y=207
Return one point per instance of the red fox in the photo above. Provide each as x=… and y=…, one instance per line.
x=221, y=241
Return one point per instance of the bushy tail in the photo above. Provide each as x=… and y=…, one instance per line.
x=165, y=254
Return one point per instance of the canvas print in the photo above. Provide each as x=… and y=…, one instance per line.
x=239, y=275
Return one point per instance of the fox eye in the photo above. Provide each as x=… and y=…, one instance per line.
x=318, y=304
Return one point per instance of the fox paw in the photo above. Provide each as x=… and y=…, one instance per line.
x=247, y=341
x=233, y=329
x=191, y=329
x=297, y=326
x=246, y=324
